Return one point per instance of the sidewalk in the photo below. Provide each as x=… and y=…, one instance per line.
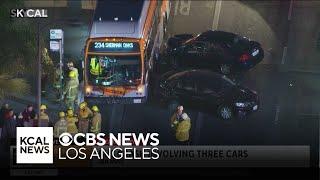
x=19, y=103
x=310, y=69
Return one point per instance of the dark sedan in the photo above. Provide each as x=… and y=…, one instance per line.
x=207, y=89
x=220, y=51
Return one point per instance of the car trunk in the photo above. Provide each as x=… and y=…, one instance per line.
x=249, y=53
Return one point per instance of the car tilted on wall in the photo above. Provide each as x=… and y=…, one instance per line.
x=220, y=51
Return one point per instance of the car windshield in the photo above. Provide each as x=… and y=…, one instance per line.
x=240, y=44
x=208, y=82
x=105, y=70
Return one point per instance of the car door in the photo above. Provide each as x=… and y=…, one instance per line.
x=185, y=90
x=208, y=90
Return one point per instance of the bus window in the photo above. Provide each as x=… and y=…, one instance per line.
x=114, y=70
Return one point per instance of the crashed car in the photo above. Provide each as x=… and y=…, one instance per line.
x=209, y=90
x=220, y=51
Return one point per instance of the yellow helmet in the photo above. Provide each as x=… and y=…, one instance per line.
x=69, y=112
x=43, y=107
x=62, y=114
x=95, y=108
x=72, y=74
x=83, y=105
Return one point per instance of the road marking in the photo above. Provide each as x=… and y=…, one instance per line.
x=284, y=54
x=184, y=7
x=276, y=118
x=290, y=10
x=216, y=16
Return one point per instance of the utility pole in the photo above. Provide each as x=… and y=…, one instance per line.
x=39, y=70
x=286, y=40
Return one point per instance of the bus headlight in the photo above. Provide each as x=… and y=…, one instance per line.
x=140, y=89
x=88, y=90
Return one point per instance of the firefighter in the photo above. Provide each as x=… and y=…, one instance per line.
x=181, y=124
x=70, y=92
x=85, y=114
x=96, y=120
x=60, y=126
x=71, y=120
x=47, y=67
x=95, y=67
x=58, y=80
x=176, y=117
x=72, y=68
x=43, y=118
x=183, y=129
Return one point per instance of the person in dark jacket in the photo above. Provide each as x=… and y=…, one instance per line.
x=29, y=117
x=9, y=127
x=3, y=111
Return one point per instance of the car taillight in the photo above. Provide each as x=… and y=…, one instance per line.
x=244, y=57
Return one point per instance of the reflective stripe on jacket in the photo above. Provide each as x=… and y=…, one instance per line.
x=71, y=89
x=96, y=123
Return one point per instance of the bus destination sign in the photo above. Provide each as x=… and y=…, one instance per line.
x=100, y=46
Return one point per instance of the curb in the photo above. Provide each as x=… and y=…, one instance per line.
x=21, y=100
x=27, y=102
x=304, y=71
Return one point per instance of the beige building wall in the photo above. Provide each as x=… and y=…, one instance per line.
x=88, y=4
x=46, y=3
x=85, y=4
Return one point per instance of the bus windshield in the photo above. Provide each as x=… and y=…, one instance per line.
x=107, y=70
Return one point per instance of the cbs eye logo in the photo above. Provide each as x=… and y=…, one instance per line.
x=65, y=139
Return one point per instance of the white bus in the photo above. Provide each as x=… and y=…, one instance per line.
x=125, y=39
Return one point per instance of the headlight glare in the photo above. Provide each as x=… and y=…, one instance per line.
x=240, y=104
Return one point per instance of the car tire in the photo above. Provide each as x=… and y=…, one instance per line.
x=225, y=112
x=225, y=69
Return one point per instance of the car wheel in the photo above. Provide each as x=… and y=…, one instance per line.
x=225, y=112
x=225, y=69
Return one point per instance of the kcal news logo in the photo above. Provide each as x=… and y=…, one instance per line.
x=34, y=145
